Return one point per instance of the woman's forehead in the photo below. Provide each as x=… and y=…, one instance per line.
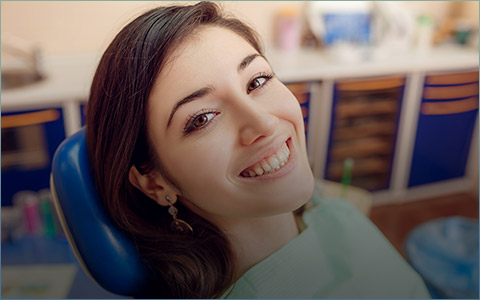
x=207, y=44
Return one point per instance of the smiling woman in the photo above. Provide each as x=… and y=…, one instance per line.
x=199, y=153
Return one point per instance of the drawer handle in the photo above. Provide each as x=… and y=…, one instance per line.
x=370, y=84
x=31, y=118
x=449, y=107
x=452, y=78
x=451, y=92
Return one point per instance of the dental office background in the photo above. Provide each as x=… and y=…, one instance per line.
x=389, y=93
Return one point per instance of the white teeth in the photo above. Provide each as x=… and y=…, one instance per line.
x=282, y=157
x=258, y=170
x=266, y=166
x=273, y=161
x=270, y=164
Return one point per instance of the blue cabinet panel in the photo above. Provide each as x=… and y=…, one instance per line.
x=446, y=122
x=442, y=146
x=83, y=114
x=17, y=176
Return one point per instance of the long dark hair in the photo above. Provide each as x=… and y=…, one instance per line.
x=196, y=266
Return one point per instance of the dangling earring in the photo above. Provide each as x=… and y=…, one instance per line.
x=177, y=225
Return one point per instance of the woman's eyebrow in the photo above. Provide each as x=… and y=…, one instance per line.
x=193, y=96
x=209, y=89
x=246, y=61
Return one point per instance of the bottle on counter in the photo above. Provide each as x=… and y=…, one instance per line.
x=425, y=31
x=28, y=203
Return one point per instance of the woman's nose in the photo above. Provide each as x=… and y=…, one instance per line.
x=256, y=124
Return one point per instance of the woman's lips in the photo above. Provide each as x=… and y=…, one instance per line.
x=270, y=164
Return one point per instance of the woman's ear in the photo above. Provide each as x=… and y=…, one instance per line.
x=152, y=185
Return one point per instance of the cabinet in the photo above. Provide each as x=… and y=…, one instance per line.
x=408, y=141
x=301, y=91
x=29, y=140
x=447, y=118
x=364, y=122
x=83, y=113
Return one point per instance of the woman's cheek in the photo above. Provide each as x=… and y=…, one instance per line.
x=203, y=160
x=289, y=107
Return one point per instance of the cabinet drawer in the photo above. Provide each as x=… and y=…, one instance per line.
x=30, y=118
x=348, y=110
x=298, y=88
x=449, y=107
x=364, y=123
x=29, y=141
x=442, y=146
x=450, y=92
x=361, y=147
x=364, y=130
x=452, y=78
x=301, y=91
x=370, y=84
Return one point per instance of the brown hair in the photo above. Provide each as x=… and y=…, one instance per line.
x=196, y=266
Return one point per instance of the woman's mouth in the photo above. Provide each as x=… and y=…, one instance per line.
x=269, y=164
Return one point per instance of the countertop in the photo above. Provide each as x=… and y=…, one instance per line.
x=68, y=78
x=308, y=65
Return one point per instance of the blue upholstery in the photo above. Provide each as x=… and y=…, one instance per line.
x=108, y=255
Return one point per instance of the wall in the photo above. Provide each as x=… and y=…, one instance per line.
x=83, y=26
x=66, y=27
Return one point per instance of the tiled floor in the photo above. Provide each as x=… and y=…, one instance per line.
x=397, y=220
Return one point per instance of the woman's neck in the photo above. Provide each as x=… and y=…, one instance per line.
x=255, y=239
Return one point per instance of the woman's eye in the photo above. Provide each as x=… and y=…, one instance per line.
x=199, y=121
x=258, y=82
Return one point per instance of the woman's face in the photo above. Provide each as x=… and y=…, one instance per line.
x=222, y=123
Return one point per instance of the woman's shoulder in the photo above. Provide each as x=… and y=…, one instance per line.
x=340, y=254
x=325, y=214
x=361, y=258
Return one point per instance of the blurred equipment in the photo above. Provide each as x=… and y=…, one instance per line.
x=358, y=30
x=105, y=252
x=445, y=253
x=347, y=175
x=28, y=203
x=425, y=31
x=12, y=223
x=21, y=62
x=393, y=27
x=340, y=22
x=288, y=29
x=462, y=30
x=344, y=27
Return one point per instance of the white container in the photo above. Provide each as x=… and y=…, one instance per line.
x=425, y=30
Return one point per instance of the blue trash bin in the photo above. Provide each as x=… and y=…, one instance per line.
x=445, y=253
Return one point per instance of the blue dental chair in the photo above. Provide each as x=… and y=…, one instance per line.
x=105, y=253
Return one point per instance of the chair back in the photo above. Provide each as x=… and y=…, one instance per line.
x=104, y=251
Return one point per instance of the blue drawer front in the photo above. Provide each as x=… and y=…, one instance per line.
x=15, y=179
x=83, y=115
x=442, y=146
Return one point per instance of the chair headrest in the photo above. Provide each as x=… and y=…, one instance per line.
x=109, y=255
